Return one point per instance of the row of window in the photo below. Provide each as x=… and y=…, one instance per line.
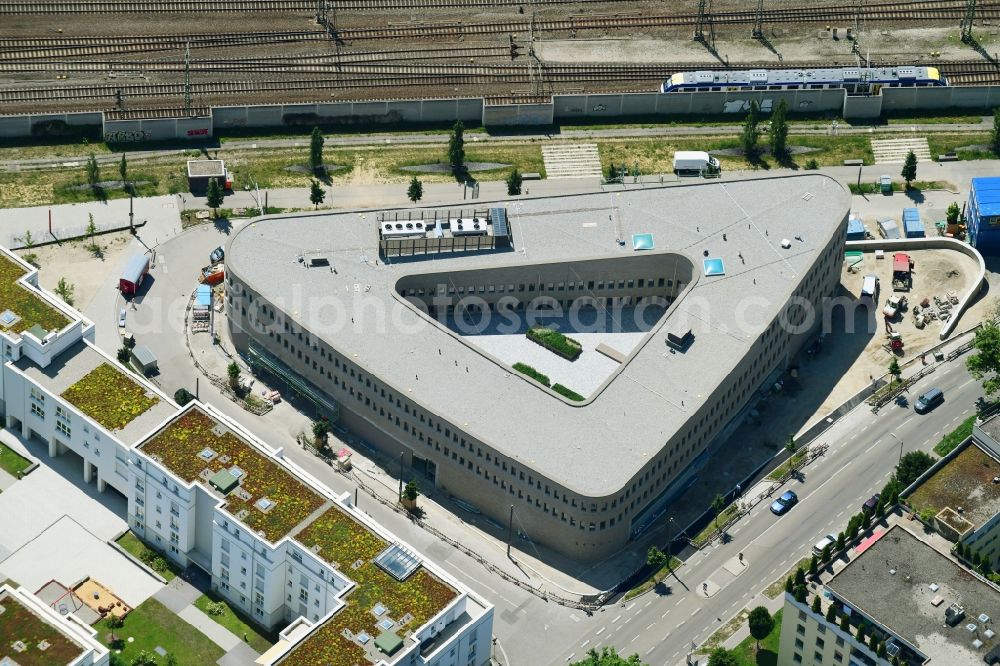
x=592, y=285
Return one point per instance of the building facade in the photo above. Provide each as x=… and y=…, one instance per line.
x=272, y=557
x=674, y=416
x=982, y=213
x=906, y=597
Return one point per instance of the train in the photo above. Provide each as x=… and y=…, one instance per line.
x=853, y=79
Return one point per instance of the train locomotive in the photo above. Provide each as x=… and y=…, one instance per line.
x=853, y=79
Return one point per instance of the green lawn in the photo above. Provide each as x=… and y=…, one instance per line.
x=152, y=624
x=786, y=466
x=747, y=654
x=662, y=573
x=233, y=622
x=131, y=543
x=955, y=437
x=11, y=462
x=711, y=528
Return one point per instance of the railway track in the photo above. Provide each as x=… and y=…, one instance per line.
x=242, y=6
x=898, y=12
x=52, y=47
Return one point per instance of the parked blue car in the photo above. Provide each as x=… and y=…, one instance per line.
x=781, y=505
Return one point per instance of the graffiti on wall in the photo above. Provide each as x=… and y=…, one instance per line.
x=743, y=105
x=202, y=131
x=126, y=136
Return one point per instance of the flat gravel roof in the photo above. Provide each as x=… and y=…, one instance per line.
x=633, y=417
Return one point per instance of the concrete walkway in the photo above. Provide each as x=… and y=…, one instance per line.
x=218, y=634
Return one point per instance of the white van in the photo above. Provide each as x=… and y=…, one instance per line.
x=869, y=287
x=695, y=162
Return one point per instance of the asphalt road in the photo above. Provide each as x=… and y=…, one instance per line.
x=863, y=450
x=532, y=632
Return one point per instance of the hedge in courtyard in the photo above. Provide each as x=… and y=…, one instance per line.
x=555, y=342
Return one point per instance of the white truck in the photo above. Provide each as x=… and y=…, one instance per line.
x=695, y=162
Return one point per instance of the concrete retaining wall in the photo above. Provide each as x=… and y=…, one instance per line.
x=48, y=124
x=606, y=106
x=644, y=104
x=349, y=113
x=156, y=129
x=933, y=243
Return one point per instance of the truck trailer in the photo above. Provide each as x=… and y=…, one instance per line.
x=135, y=272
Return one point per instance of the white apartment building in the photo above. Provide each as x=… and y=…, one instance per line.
x=921, y=605
x=54, y=638
x=207, y=493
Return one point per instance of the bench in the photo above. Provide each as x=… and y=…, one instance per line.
x=531, y=175
x=854, y=162
x=948, y=157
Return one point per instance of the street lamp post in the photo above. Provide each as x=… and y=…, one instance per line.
x=401, y=475
x=900, y=460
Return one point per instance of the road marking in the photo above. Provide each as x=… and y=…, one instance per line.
x=574, y=617
x=585, y=643
x=631, y=641
x=571, y=655
x=681, y=624
x=696, y=611
x=629, y=607
x=650, y=650
x=664, y=615
x=616, y=619
x=601, y=630
x=651, y=625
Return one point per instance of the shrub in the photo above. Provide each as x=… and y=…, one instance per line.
x=215, y=608
x=555, y=342
x=831, y=613
x=182, y=396
x=812, y=164
x=568, y=393
x=526, y=369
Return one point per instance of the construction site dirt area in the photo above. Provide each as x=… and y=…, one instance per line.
x=936, y=273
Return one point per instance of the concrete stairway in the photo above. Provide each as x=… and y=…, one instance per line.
x=891, y=151
x=575, y=160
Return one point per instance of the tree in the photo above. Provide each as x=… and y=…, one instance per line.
x=124, y=355
x=456, y=149
x=316, y=151
x=514, y=181
x=831, y=613
x=29, y=242
x=789, y=584
x=800, y=577
x=761, y=623
x=123, y=172
x=801, y=594
x=825, y=557
x=778, y=132
x=214, y=196
x=656, y=558
x=234, y=375
x=841, y=541
x=954, y=212
x=723, y=657
x=718, y=504
x=986, y=361
x=813, y=565
x=995, y=134
x=894, y=369
x=912, y=465
x=321, y=430
x=416, y=190
x=411, y=491
x=791, y=445
x=316, y=193
x=182, y=396
x=845, y=622
x=93, y=172
x=609, y=657
x=65, y=290
x=909, y=172
x=817, y=606
x=94, y=248
x=748, y=138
